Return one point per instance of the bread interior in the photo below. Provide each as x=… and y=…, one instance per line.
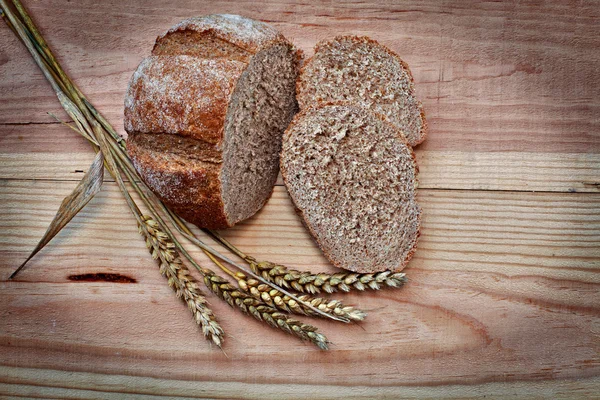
x=263, y=104
x=353, y=177
x=363, y=72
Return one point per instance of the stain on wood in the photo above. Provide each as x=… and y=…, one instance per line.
x=101, y=277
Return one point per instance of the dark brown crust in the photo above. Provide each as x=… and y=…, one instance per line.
x=249, y=35
x=195, y=193
x=424, y=126
x=283, y=170
x=162, y=46
x=192, y=192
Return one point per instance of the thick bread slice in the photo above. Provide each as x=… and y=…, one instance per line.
x=205, y=124
x=352, y=175
x=361, y=71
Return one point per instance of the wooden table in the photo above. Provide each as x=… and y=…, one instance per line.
x=504, y=292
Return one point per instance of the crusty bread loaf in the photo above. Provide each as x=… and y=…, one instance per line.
x=205, y=114
x=361, y=71
x=352, y=175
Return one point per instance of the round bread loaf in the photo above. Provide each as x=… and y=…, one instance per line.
x=205, y=114
x=352, y=176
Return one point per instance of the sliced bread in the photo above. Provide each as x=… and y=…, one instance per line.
x=205, y=114
x=359, y=70
x=352, y=176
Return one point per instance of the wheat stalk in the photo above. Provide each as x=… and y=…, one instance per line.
x=179, y=278
x=162, y=244
x=281, y=301
x=307, y=282
x=261, y=311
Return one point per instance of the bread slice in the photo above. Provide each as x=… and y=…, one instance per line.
x=361, y=71
x=205, y=115
x=352, y=175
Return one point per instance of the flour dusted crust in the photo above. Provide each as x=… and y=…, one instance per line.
x=181, y=95
x=176, y=110
x=248, y=34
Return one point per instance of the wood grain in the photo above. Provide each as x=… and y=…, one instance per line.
x=483, y=287
x=38, y=152
x=504, y=293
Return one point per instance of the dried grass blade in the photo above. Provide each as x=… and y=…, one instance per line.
x=77, y=117
x=71, y=205
x=78, y=130
x=25, y=37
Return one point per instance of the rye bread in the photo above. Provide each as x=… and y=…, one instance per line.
x=352, y=176
x=361, y=71
x=205, y=114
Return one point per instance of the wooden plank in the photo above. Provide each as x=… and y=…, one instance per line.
x=492, y=231
x=504, y=288
x=503, y=298
x=54, y=152
x=504, y=76
x=52, y=384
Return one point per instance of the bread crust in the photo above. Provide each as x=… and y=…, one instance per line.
x=192, y=192
x=206, y=86
x=300, y=84
x=164, y=90
x=303, y=112
x=245, y=33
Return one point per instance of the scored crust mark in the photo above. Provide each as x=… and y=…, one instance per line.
x=246, y=34
x=199, y=44
x=362, y=71
x=352, y=175
x=181, y=146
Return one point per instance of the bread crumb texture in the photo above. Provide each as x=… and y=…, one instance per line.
x=352, y=176
x=361, y=71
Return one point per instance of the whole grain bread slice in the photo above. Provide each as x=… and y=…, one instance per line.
x=352, y=176
x=361, y=71
x=205, y=115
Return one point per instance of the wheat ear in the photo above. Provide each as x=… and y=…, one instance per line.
x=262, y=311
x=307, y=282
x=179, y=278
x=279, y=300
